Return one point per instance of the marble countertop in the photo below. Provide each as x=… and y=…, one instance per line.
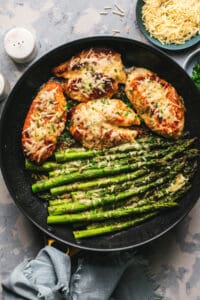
x=175, y=257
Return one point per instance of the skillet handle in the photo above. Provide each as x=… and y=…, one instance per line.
x=68, y=250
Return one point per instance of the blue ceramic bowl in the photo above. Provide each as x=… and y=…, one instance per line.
x=174, y=47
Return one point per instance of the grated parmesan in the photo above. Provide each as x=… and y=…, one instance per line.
x=119, y=8
x=118, y=13
x=178, y=183
x=104, y=13
x=156, y=95
x=172, y=21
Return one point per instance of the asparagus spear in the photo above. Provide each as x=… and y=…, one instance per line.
x=50, y=166
x=90, y=166
x=46, y=166
x=59, y=201
x=102, y=215
x=147, y=139
x=67, y=156
x=98, y=182
x=71, y=149
x=79, y=234
x=114, y=188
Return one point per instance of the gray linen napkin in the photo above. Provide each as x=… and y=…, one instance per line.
x=97, y=276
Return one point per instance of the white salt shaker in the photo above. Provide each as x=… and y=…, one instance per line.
x=20, y=45
x=4, y=88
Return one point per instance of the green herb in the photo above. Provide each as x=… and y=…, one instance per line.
x=90, y=85
x=161, y=112
x=71, y=122
x=104, y=101
x=118, y=113
x=122, y=96
x=53, y=128
x=146, y=111
x=196, y=74
x=156, y=105
x=70, y=104
x=127, y=113
x=92, y=70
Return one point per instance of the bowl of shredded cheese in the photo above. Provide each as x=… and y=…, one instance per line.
x=170, y=24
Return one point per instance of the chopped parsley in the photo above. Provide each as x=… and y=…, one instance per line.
x=156, y=105
x=196, y=74
x=146, y=110
x=70, y=104
x=122, y=96
x=90, y=85
x=51, y=128
x=118, y=113
x=128, y=112
x=104, y=101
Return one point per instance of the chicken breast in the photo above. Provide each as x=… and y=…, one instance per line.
x=99, y=123
x=44, y=122
x=92, y=74
x=156, y=102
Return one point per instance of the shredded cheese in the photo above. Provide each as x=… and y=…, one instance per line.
x=172, y=21
x=104, y=13
x=119, y=8
x=92, y=60
x=90, y=81
x=157, y=95
x=178, y=183
x=118, y=13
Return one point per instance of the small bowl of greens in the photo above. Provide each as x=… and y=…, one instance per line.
x=192, y=67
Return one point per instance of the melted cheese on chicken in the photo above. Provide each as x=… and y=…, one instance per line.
x=156, y=102
x=99, y=123
x=92, y=74
x=44, y=122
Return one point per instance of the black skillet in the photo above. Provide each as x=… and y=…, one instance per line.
x=18, y=181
